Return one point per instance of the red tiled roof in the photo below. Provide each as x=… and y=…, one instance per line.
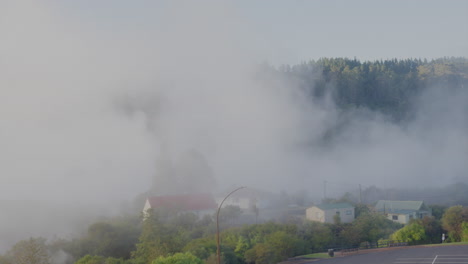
x=186, y=202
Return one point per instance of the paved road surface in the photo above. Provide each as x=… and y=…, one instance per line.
x=407, y=255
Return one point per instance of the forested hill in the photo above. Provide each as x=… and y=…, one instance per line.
x=387, y=86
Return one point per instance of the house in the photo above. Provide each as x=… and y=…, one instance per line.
x=200, y=204
x=325, y=213
x=245, y=199
x=403, y=211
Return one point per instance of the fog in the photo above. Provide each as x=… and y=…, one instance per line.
x=93, y=108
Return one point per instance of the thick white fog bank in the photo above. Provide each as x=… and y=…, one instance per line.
x=87, y=111
x=97, y=109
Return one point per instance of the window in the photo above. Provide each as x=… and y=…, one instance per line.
x=394, y=217
x=338, y=213
x=348, y=212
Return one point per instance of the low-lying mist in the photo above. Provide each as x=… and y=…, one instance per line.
x=95, y=110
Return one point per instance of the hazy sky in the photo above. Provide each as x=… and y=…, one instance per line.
x=184, y=67
x=288, y=32
x=366, y=29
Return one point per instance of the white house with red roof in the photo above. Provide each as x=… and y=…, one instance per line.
x=200, y=204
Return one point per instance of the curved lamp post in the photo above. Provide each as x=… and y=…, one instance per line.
x=217, y=224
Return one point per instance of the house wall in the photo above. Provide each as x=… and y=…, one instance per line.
x=400, y=218
x=242, y=203
x=145, y=208
x=405, y=218
x=315, y=214
x=346, y=215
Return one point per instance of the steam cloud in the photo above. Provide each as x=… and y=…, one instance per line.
x=89, y=106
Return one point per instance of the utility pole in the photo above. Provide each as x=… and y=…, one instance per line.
x=324, y=190
x=360, y=194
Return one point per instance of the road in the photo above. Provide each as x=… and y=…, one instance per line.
x=406, y=255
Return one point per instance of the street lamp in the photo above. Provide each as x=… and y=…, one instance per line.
x=217, y=224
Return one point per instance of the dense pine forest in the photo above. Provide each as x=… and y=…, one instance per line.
x=386, y=86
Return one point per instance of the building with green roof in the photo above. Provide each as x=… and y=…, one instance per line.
x=403, y=211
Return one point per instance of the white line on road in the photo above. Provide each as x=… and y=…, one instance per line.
x=434, y=259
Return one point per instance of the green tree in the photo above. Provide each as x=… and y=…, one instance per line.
x=371, y=227
x=413, y=233
x=178, y=258
x=465, y=232
x=32, y=251
x=242, y=246
x=432, y=228
x=438, y=211
x=318, y=235
x=452, y=221
x=202, y=248
x=88, y=259
x=260, y=254
x=158, y=237
x=284, y=245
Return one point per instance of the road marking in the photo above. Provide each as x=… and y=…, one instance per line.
x=438, y=259
x=428, y=262
x=401, y=262
x=413, y=258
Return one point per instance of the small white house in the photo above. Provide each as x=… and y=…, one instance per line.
x=245, y=199
x=403, y=211
x=325, y=213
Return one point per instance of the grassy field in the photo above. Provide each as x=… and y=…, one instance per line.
x=316, y=255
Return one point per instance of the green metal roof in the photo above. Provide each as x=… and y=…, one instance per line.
x=334, y=206
x=398, y=205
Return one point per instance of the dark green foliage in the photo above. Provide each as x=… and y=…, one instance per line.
x=318, y=235
x=178, y=258
x=88, y=259
x=203, y=248
x=438, y=211
x=433, y=229
x=158, y=238
x=114, y=238
x=368, y=227
x=166, y=232
x=389, y=86
x=452, y=221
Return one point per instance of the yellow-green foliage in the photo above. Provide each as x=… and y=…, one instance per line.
x=465, y=232
x=178, y=258
x=452, y=221
x=413, y=232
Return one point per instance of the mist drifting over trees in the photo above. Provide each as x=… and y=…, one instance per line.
x=99, y=111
